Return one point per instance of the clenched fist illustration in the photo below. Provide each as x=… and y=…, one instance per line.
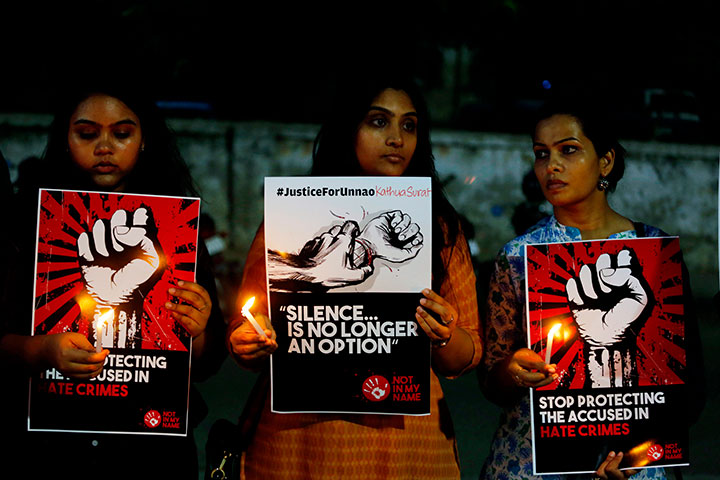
x=120, y=261
x=608, y=300
x=391, y=236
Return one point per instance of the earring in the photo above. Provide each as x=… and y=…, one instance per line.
x=603, y=184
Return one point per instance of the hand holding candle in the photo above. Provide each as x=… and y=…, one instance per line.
x=246, y=313
x=252, y=339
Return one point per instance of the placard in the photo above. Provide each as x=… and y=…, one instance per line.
x=347, y=259
x=609, y=313
x=104, y=264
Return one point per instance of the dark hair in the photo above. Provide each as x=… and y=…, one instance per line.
x=160, y=168
x=597, y=124
x=334, y=152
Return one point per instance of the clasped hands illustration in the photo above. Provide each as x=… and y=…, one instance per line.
x=344, y=254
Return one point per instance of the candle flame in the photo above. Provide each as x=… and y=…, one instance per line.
x=104, y=318
x=248, y=304
x=554, y=330
x=637, y=456
x=642, y=448
x=86, y=304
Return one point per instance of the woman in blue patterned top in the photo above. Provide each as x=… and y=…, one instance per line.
x=577, y=162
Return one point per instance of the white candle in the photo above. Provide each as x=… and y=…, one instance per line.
x=99, y=324
x=548, y=349
x=246, y=313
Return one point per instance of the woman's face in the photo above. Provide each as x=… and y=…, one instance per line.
x=566, y=164
x=386, y=138
x=104, y=140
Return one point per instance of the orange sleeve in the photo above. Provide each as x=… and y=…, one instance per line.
x=459, y=289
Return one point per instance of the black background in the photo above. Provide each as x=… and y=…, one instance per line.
x=333, y=382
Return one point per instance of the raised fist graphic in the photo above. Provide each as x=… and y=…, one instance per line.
x=390, y=236
x=120, y=261
x=608, y=300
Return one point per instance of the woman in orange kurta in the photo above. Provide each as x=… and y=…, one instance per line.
x=379, y=129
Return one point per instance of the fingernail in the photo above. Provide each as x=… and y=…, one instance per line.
x=611, y=454
x=426, y=291
x=180, y=283
x=423, y=301
x=171, y=290
x=620, y=454
x=168, y=305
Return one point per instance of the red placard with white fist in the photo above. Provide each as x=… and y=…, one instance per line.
x=104, y=265
x=610, y=315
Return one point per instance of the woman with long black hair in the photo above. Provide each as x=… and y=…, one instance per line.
x=377, y=128
x=107, y=138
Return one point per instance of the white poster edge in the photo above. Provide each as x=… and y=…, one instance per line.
x=32, y=318
x=527, y=327
x=267, y=287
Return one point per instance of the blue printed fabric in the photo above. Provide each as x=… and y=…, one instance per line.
x=510, y=455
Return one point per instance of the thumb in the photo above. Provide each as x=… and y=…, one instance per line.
x=80, y=342
x=615, y=276
x=130, y=236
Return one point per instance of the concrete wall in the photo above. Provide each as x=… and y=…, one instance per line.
x=671, y=186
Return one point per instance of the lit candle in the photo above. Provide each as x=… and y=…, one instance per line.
x=99, y=324
x=246, y=313
x=548, y=349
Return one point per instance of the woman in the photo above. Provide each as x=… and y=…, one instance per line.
x=577, y=162
x=108, y=139
x=377, y=129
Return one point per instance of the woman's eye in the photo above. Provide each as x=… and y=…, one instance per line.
x=568, y=149
x=409, y=126
x=541, y=154
x=87, y=134
x=379, y=122
x=122, y=134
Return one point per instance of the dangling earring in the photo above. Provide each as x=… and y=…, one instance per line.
x=603, y=184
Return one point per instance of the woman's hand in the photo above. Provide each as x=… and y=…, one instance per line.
x=609, y=468
x=195, y=314
x=526, y=368
x=453, y=347
x=72, y=354
x=248, y=346
x=441, y=326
